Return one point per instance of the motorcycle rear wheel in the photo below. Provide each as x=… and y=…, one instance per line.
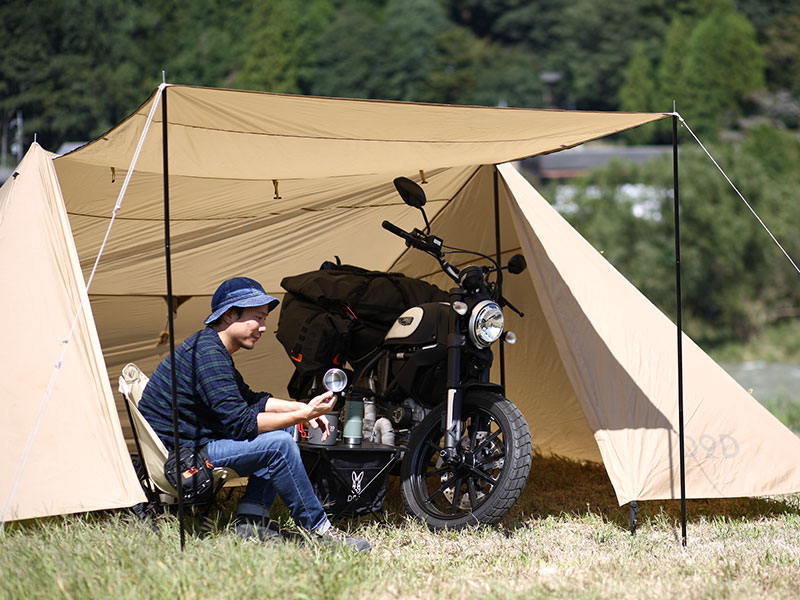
x=495, y=450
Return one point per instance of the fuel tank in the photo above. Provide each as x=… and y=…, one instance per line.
x=420, y=325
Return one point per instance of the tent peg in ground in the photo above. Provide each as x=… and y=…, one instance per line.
x=634, y=511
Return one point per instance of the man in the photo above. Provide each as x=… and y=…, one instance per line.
x=242, y=429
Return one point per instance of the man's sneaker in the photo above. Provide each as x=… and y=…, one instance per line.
x=251, y=529
x=335, y=536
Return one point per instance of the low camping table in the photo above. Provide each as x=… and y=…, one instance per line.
x=350, y=479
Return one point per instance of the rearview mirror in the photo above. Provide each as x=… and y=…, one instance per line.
x=517, y=264
x=410, y=191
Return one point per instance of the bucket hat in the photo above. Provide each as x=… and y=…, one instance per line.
x=241, y=292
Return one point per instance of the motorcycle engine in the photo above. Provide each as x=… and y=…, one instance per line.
x=408, y=414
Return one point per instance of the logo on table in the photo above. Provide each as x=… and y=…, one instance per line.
x=357, y=478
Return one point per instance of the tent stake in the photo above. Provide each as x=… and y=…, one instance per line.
x=681, y=434
x=170, y=318
x=634, y=510
x=498, y=252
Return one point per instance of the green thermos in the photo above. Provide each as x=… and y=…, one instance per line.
x=354, y=420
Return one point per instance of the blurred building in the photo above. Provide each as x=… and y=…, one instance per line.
x=576, y=161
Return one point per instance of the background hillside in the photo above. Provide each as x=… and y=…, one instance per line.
x=76, y=67
x=71, y=69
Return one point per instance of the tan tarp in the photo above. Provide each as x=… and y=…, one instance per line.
x=78, y=460
x=594, y=370
x=619, y=353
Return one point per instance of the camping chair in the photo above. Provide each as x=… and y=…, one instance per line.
x=152, y=451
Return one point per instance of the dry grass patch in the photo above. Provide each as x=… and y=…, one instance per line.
x=566, y=538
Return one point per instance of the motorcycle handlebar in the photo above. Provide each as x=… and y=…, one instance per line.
x=410, y=239
x=391, y=227
x=420, y=241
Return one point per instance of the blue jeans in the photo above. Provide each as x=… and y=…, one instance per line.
x=272, y=460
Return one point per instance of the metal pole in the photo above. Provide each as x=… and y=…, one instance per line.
x=151, y=496
x=18, y=135
x=170, y=319
x=498, y=252
x=681, y=434
x=5, y=139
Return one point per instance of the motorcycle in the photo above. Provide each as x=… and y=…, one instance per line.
x=425, y=388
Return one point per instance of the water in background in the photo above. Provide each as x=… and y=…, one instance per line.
x=775, y=385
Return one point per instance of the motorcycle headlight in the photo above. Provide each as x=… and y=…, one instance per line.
x=485, y=324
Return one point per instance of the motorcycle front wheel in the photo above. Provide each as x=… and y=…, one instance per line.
x=493, y=466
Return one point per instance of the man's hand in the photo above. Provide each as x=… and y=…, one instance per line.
x=280, y=414
x=319, y=406
x=321, y=421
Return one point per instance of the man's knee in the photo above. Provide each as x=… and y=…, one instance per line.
x=282, y=442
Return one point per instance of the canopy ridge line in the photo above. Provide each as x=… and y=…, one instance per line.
x=735, y=189
x=475, y=141
x=360, y=206
x=65, y=342
x=272, y=213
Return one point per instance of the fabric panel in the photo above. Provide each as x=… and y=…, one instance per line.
x=78, y=460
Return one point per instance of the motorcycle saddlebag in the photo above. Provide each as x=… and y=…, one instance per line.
x=377, y=297
x=314, y=339
x=371, y=300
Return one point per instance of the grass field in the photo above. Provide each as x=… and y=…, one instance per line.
x=565, y=538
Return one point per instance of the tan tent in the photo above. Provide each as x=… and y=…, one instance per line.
x=60, y=437
x=267, y=185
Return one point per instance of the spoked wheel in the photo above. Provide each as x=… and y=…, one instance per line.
x=494, y=458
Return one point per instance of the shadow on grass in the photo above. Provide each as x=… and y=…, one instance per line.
x=559, y=486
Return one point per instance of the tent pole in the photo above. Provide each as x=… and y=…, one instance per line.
x=681, y=434
x=170, y=319
x=498, y=252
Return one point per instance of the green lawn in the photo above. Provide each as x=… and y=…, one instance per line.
x=565, y=538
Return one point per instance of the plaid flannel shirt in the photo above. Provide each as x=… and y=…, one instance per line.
x=214, y=402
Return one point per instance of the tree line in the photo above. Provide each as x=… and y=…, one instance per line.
x=735, y=281
x=74, y=68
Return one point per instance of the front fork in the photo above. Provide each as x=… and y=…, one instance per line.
x=455, y=343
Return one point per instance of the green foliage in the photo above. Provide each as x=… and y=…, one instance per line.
x=596, y=43
x=779, y=342
x=199, y=42
x=532, y=23
x=508, y=77
x=281, y=35
x=764, y=14
x=638, y=92
x=458, y=61
x=348, y=51
x=673, y=60
x=412, y=26
x=467, y=70
x=76, y=68
x=734, y=279
x=723, y=65
x=70, y=65
x=782, y=52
